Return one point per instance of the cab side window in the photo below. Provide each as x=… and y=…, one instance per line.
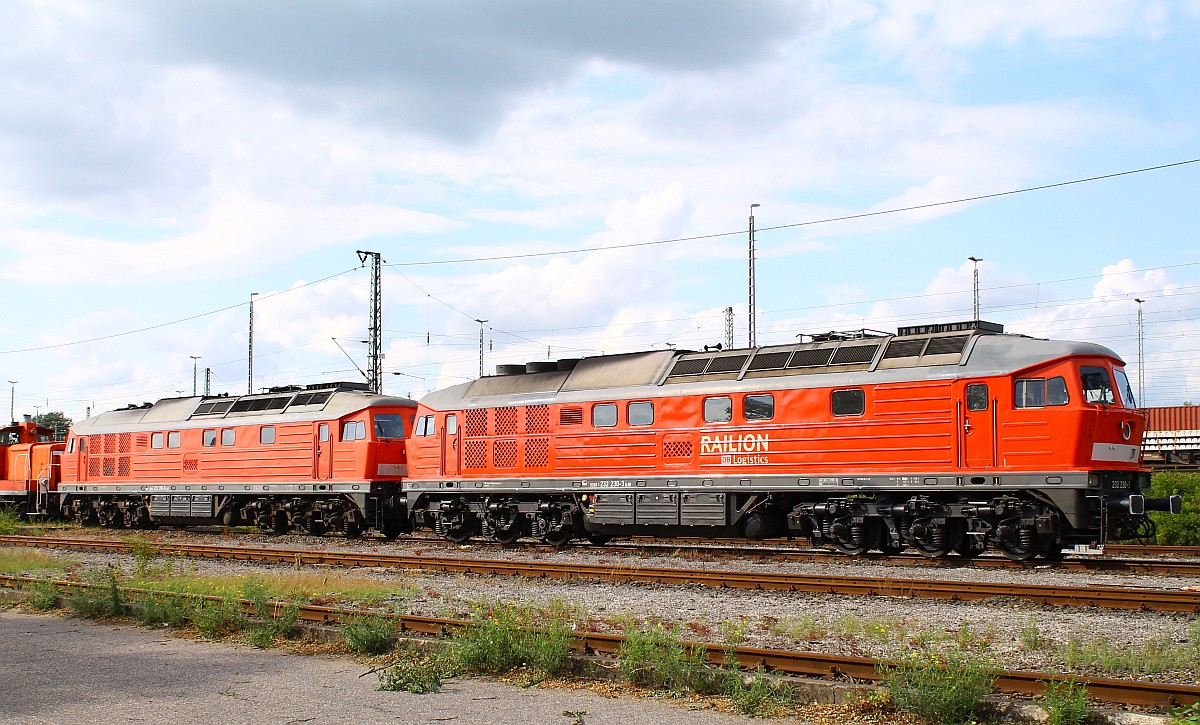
x=640, y=413
x=977, y=396
x=718, y=410
x=354, y=430
x=758, y=407
x=604, y=415
x=849, y=402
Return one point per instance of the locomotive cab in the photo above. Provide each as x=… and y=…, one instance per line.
x=29, y=467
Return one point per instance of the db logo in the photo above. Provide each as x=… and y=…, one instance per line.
x=726, y=460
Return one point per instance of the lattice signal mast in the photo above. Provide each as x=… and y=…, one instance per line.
x=375, y=356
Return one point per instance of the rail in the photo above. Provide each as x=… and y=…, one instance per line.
x=809, y=664
x=1105, y=597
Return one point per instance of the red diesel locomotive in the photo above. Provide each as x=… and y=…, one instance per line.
x=322, y=458
x=944, y=438
x=29, y=468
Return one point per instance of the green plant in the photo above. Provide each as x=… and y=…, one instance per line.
x=1189, y=715
x=369, y=635
x=757, y=695
x=1030, y=635
x=1182, y=528
x=656, y=657
x=1066, y=702
x=498, y=640
x=10, y=521
x=98, y=601
x=940, y=687
x=144, y=553
x=1154, y=655
x=217, y=619
x=412, y=672
x=160, y=609
x=42, y=596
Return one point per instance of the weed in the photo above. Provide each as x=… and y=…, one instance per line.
x=758, y=695
x=412, y=672
x=1189, y=715
x=15, y=561
x=655, y=657
x=1066, y=702
x=164, y=609
x=10, y=521
x=1030, y=635
x=967, y=639
x=95, y=602
x=806, y=628
x=42, y=596
x=1152, y=656
x=217, y=619
x=144, y=553
x=942, y=688
x=369, y=635
x=498, y=640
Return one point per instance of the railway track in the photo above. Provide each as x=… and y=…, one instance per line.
x=1106, y=597
x=808, y=664
x=785, y=550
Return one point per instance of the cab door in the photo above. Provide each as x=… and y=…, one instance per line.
x=322, y=452
x=977, y=426
x=451, y=448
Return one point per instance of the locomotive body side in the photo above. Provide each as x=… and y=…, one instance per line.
x=319, y=459
x=910, y=440
x=29, y=468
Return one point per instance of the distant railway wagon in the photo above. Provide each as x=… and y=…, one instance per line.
x=1172, y=439
x=945, y=438
x=321, y=458
x=29, y=468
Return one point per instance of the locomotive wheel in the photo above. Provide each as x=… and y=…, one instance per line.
x=280, y=524
x=352, y=528
x=599, y=539
x=557, y=537
x=507, y=536
x=952, y=538
x=314, y=527
x=872, y=535
x=391, y=531
x=458, y=535
x=1016, y=552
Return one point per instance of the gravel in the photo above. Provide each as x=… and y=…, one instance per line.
x=1002, y=629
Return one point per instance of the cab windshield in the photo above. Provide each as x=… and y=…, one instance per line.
x=1126, y=391
x=389, y=425
x=1097, y=385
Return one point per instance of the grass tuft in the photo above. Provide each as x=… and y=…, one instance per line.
x=369, y=635
x=939, y=687
x=1066, y=703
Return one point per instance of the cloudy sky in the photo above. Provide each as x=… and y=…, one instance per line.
x=580, y=174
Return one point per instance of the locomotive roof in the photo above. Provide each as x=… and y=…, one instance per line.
x=931, y=352
x=280, y=405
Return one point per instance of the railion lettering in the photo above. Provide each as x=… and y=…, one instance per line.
x=733, y=443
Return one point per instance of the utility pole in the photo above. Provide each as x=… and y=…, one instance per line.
x=12, y=402
x=728, y=328
x=207, y=381
x=752, y=339
x=374, y=356
x=195, y=359
x=481, y=346
x=250, y=371
x=976, y=260
x=1141, y=366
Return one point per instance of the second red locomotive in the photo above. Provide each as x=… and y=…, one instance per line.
x=944, y=438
